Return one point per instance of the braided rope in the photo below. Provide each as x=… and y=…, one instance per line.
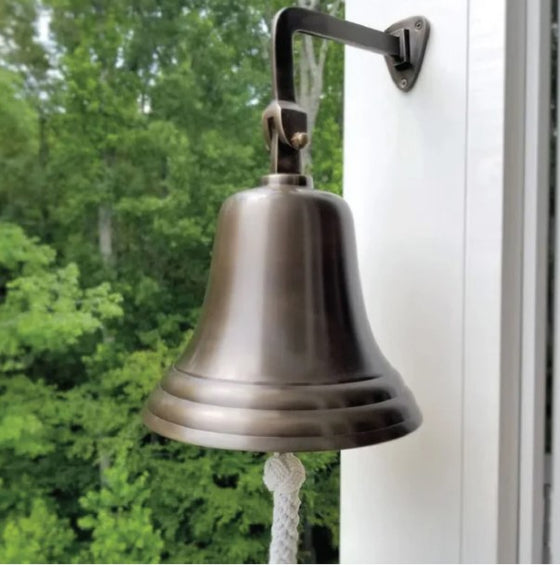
x=283, y=476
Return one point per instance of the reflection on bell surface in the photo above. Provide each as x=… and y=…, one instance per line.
x=283, y=358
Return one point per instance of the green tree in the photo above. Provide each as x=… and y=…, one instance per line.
x=39, y=537
x=119, y=140
x=122, y=529
x=47, y=322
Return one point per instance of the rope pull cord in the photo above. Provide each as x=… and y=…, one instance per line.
x=283, y=476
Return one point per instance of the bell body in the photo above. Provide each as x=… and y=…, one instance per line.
x=283, y=358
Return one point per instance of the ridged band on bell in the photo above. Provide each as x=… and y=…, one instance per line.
x=283, y=358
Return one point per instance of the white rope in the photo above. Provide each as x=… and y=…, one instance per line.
x=283, y=476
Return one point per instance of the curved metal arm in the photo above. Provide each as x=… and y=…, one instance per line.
x=285, y=124
x=291, y=20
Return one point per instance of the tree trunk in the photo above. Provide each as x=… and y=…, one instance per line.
x=43, y=145
x=105, y=232
x=310, y=88
x=308, y=546
x=104, y=464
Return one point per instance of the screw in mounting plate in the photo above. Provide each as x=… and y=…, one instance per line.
x=418, y=24
x=403, y=83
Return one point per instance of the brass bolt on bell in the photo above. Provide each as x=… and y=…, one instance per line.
x=283, y=358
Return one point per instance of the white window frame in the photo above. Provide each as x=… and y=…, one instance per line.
x=493, y=60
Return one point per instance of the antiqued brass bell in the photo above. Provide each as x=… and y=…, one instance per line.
x=283, y=358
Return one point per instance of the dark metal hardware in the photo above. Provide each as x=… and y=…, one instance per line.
x=403, y=44
x=413, y=33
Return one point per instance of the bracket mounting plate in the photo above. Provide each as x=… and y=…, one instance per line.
x=413, y=33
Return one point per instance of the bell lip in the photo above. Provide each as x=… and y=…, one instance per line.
x=261, y=444
x=354, y=392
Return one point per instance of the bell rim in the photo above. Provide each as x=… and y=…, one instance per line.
x=228, y=393
x=266, y=444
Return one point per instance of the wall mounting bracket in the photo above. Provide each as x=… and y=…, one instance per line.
x=413, y=34
x=285, y=124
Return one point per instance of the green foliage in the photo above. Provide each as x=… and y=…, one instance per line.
x=44, y=308
x=120, y=521
x=25, y=424
x=119, y=140
x=38, y=537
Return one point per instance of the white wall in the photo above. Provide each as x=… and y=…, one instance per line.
x=436, y=180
